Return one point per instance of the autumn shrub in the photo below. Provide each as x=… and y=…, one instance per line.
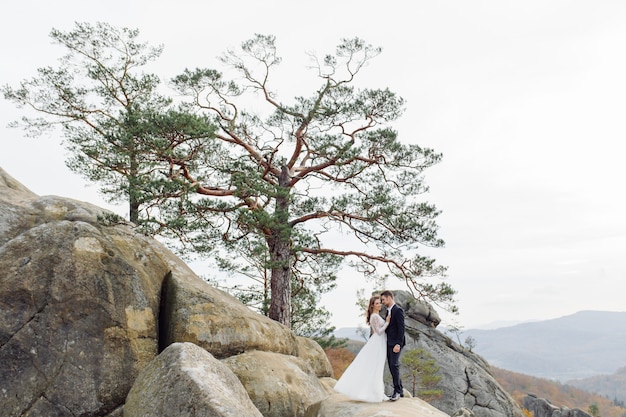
x=339, y=359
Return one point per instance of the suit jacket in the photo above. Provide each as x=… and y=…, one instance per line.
x=395, y=329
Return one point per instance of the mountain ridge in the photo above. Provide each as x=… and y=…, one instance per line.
x=580, y=345
x=610, y=386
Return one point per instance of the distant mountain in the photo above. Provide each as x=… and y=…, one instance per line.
x=497, y=324
x=584, y=344
x=349, y=333
x=611, y=386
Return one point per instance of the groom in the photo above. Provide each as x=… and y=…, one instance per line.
x=395, y=342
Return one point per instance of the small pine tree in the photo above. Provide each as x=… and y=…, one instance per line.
x=420, y=369
x=594, y=410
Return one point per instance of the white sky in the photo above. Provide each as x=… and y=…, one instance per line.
x=525, y=99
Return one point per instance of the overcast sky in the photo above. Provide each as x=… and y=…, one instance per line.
x=525, y=99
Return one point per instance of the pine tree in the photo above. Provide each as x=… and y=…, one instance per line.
x=420, y=370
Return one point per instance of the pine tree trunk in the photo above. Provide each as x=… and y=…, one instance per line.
x=280, y=306
x=279, y=244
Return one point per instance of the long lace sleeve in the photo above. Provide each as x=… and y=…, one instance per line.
x=378, y=324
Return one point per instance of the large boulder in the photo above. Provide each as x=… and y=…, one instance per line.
x=185, y=380
x=80, y=303
x=279, y=385
x=198, y=313
x=417, y=310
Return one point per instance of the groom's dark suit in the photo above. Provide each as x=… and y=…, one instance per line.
x=395, y=336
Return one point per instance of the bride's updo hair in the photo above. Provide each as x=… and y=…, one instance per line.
x=370, y=308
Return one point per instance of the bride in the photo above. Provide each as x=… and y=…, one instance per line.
x=363, y=379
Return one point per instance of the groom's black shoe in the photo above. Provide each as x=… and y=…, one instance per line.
x=394, y=397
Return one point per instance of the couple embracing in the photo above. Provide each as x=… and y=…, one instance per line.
x=363, y=379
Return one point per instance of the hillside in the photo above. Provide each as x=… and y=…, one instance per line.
x=581, y=345
x=612, y=386
x=519, y=385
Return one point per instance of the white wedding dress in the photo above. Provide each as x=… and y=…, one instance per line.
x=363, y=379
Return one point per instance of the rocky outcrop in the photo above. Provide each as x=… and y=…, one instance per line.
x=466, y=383
x=419, y=311
x=541, y=407
x=80, y=306
x=99, y=320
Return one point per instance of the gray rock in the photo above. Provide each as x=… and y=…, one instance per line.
x=80, y=307
x=542, y=407
x=187, y=381
x=417, y=310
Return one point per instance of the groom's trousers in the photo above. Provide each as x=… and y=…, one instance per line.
x=393, y=359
